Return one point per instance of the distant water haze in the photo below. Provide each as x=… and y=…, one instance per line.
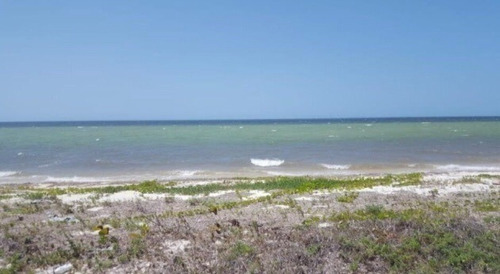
x=134, y=151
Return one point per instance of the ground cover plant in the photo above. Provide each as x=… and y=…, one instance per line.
x=297, y=225
x=289, y=184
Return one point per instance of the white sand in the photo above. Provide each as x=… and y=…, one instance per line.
x=426, y=190
x=281, y=206
x=304, y=198
x=155, y=196
x=73, y=198
x=122, y=196
x=94, y=209
x=213, y=194
x=254, y=194
x=176, y=246
x=218, y=193
x=319, y=206
x=323, y=225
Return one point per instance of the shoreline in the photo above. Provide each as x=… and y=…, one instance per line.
x=9, y=177
x=250, y=224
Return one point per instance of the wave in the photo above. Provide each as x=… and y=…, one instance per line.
x=185, y=173
x=453, y=167
x=336, y=167
x=8, y=173
x=49, y=164
x=267, y=162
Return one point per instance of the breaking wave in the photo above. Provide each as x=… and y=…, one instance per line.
x=336, y=167
x=453, y=167
x=267, y=162
x=8, y=173
x=185, y=173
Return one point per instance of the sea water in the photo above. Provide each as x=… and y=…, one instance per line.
x=172, y=150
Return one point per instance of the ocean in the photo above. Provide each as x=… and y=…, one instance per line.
x=122, y=151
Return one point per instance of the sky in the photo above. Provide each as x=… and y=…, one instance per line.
x=184, y=60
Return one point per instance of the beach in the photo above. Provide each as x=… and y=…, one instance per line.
x=249, y=137
x=324, y=196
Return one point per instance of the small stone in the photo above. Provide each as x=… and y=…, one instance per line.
x=323, y=225
x=63, y=268
x=67, y=219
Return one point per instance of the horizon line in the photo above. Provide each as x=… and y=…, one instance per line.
x=257, y=119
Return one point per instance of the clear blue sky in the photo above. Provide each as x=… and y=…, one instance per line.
x=128, y=60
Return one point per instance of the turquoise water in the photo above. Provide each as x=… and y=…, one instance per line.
x=123, y=151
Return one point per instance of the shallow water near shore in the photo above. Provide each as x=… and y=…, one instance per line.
x=135, y=151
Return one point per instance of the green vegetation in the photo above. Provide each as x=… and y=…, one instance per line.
x=376, y=212
x=313, y=249
x=492, y=220
x=292, y=185
x=488, y=205
x=22, y=209
x=469, y=180
x=438, y=231
x=34, y=195
x=348, y=197
x=240, y=249
x=2, y=197
x=489, y=176
x=408, y=179
x=436, y=244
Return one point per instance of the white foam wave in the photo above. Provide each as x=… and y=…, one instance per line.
x=49, y=164
x=8, y=173
x=267, y=162
x=453, y=167
x=336, y=167
x=185, y=173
